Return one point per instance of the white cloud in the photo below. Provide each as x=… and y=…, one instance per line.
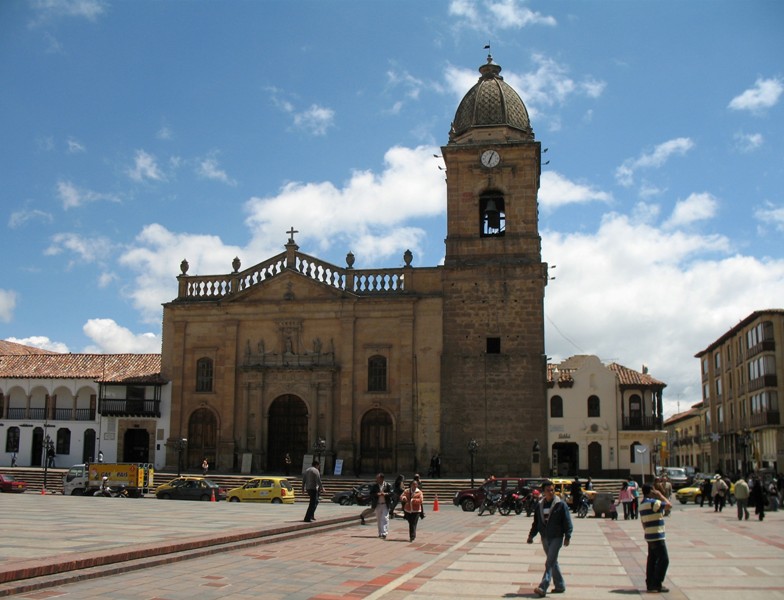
x=697, y=207
x=504, y=14
x=74, y=147
x=86, y=249
x=556, y=191
x=7, y=305
x=316, y=119
x=111, y=338
x=748, y=142
x=155, y=257
x=410, y=186
x=164, y=133
x=764, y=94
x=770, y=216
x=208, y=169
x=511, y=14
x=653, y=159
x=40, y=341
x=47, y=10
x=72, y=196
x=638, y=294
x=145, y=167
x=21, y=217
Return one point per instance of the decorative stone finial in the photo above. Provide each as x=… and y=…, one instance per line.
x=350, y=260
x=408, y=257
x=184, y=266
x=236, y=264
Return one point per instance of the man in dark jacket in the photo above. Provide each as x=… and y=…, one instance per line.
x=553, y=523
x=380, y=501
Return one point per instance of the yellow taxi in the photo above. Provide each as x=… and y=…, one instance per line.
x=276, y=490
x=694, y=492
x=563, y=487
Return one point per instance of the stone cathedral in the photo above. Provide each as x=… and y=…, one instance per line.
x=381, y=368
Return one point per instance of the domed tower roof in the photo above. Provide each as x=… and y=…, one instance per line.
x=491, y=103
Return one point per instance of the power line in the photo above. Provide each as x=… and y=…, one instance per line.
x=564, y=336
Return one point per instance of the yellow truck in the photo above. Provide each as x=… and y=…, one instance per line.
x=85, y=479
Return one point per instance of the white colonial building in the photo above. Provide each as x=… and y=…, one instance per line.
x=603, y=420
x=116, y=404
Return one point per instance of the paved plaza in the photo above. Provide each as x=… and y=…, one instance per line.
x=166, y=550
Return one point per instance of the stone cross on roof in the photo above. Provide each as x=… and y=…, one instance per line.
x=291, y=233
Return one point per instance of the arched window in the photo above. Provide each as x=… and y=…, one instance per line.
x=204, y=375
x=12, y=440
x=492, y=214
x=377, y=374
x=63, y=441
x=594, y=404
x=556, y=407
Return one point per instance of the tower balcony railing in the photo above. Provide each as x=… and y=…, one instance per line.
x=358, y=281
x=642, y=423
x=130, y=408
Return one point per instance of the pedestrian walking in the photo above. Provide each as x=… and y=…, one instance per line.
x=705, y=490
x=311, y=484
x=100, y=456
x=554, y=524
x=635, y=506
x=757, y=498
x=397, y=491
x=381, y=500
x=205, y=466
x=652, y=509
x=718, y=491
x=742, y=498
x=413, y=502
x=287, y=464
x=625, y=497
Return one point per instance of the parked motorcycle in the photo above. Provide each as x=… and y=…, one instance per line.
x=108, y=492
x=583, y=507
x=530, y=501
x=491, y=503
x=512, y=501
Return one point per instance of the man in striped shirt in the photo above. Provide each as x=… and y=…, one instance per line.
x=652, y=510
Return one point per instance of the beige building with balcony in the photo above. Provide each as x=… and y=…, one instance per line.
x=603, y=420
x=742, y=383
x=688, y=439
x=117, y=404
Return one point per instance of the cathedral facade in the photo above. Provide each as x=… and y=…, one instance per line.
x=381, y=369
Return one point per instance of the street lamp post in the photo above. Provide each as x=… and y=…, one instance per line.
x=641, y=451
x=181, y=443
x=473, y=447
x=319, y=446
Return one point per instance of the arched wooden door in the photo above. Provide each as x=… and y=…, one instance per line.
x=88, y=446
x=377, y=445
x=594, y=459
x=288, y=432
x=202, y=439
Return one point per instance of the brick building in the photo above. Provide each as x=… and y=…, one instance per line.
x=742, y=381
x=381, y=368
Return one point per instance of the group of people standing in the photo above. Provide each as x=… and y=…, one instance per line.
x=384, y=498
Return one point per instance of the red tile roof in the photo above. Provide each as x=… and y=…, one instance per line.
x=7, y=347
x=627, y=376
x=103, y=368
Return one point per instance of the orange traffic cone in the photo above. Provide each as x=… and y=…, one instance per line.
x=43, y=491
x=212, y=498
x=435, y=504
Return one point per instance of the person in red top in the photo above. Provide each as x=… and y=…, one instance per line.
x=413, y=501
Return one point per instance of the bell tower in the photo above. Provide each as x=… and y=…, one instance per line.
x=493, y=361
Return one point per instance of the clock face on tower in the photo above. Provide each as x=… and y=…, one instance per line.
x=490, y=158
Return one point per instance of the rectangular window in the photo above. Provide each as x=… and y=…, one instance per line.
x=494, y=345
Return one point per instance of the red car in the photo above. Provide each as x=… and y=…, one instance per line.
x=9, y=484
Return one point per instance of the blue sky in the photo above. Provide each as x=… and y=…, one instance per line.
x=136, y=134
